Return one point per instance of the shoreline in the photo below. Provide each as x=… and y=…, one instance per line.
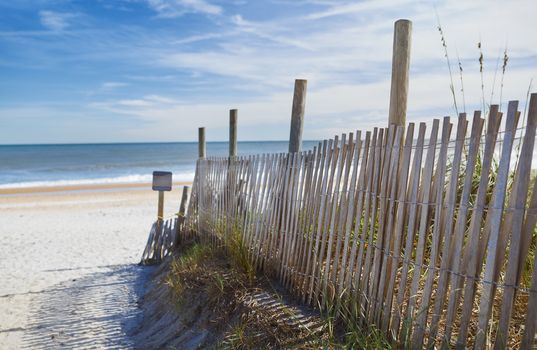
x=104, y=187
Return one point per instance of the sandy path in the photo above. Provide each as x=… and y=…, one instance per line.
x=66, y=259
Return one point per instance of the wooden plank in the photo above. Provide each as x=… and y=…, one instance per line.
x=273, y=214
x=265, y=172
x=370, y=217
x=421, y=318
x=279, y=215
x=520, y=189
x=309, y=224
x=251, y=204
x=288, y=234
x=530, y=325
x=332, y=228
x=374, y=303
x=398, y=230
x=286, y=214
x=347, y=200
x=387, y=246
x=295, y=204
x=300, y=237
x=469, y=262
x=326, y=221
x=250, y=238
x=322, y=213
x=305, y=217
x=308, y=219
x=460, y=225
x=450, y=199
x=361, y=188
x=362, y=225
x=354, y=192
x=423, y=222
x=315, y=219
x=412, y=218
x=343, y=207
x=267, y=204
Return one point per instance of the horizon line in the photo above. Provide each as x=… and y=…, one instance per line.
x=136, y=143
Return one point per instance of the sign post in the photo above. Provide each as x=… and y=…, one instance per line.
x=162, y=181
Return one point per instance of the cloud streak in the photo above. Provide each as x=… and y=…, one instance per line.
x=55, y=21
x=176, y=8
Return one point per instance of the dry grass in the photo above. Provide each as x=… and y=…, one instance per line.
x=218, y=285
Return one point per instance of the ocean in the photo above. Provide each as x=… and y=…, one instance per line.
x=83, y=164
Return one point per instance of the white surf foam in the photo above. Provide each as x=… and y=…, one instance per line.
x=109, y=180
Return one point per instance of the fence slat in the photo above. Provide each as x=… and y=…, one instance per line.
x=369, y=226
x=331, y=232
x=421, y=317
x=356, y=216
x=520, y=190
x=448, y=228
x=397, y=237
x=423, y=221
x=469, y=257
x=412, y=218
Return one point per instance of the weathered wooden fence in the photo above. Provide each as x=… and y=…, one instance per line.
x=165, y=234
x=427, y=234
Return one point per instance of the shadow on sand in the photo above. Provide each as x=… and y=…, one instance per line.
x=99, y=310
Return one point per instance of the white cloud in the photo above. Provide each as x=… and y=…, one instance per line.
x=176, y=8
x=55, y=21
x=338, y=9
x=111, y=85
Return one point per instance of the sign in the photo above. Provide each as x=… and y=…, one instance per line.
x=162, y=181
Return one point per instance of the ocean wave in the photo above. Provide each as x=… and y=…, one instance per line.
x=95, y=181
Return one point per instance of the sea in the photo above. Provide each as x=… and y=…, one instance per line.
x=86, y=164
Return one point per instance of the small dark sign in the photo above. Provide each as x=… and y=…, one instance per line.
x=162, y=181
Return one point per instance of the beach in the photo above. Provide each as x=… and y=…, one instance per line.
x=68, y=262
x=74, y=221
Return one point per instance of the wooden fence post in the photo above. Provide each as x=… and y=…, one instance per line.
x=297, y=116
x=181, y=216
x=201, y=143
x=184, y=200
x=402, y=36
x=232, y=132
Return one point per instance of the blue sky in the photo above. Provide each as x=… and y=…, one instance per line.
x=155, y=70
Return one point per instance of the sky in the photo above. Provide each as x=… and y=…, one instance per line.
x=74, y=71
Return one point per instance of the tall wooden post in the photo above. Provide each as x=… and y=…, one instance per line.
x=181, y=216
x=402, y=36
x=201, y=143
x=232, y=132
x=184, y=200
x=297, y=116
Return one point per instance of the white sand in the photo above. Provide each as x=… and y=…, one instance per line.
x=67, y=277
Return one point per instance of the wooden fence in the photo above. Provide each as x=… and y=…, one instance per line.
x=427, y=233
x=165, y=234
